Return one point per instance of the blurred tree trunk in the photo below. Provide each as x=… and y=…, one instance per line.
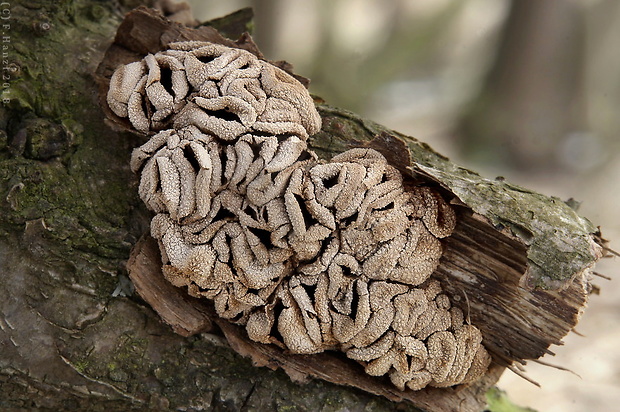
x=533, y=96
x=267, y=14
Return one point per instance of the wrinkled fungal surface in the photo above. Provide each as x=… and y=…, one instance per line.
x=308, y=255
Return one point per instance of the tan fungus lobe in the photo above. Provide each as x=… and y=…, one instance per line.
x=332, y=255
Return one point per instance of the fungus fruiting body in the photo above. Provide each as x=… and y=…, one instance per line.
x=308, y=255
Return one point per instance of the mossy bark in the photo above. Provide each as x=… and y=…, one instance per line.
x=72, y=333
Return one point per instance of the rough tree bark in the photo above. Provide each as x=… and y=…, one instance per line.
x=73, y=335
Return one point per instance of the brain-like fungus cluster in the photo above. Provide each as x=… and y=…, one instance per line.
x=308, y=255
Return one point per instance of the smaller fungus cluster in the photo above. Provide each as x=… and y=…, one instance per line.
x=308, y=255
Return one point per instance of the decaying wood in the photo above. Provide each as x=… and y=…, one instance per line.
x=329, y=366
x=308, y=255
x=183, y=313
x=518, y=263
x=521, y=260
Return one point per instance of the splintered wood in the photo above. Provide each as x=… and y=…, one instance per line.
x=375, y=254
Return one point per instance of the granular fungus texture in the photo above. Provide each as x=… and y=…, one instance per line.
x=308, y=255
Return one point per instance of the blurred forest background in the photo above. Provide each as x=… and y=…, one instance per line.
x=526, y=89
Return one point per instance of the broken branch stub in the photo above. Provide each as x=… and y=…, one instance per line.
x=307, y=254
